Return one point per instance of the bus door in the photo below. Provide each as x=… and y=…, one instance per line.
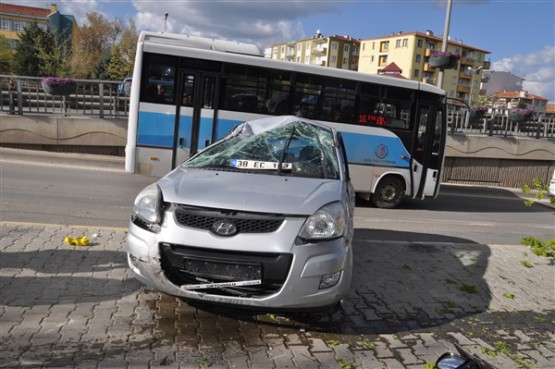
x=196, y=119
x=427, y=158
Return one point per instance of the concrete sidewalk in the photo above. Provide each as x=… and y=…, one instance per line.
x=78, y=307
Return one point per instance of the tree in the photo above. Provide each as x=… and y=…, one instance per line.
x=122, y=57
x=52, y=54
x=38, y=53
x=7, y=56
x=27, y=60
x=93, y=42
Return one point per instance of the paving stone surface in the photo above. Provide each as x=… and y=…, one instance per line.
x=79, y=307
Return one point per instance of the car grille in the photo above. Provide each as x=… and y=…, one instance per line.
x=202, y=218
x=186, y=265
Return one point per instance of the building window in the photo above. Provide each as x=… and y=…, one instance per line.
x=398, y=43
x=333, y=59
x=299, y=48
x=4, y=24
x=307, y=59
x=416, y=73
x=479, y=57
x=383, y=60
x=334, y=45
x=372, y=59
x=405, y=42
x=420, y=43
x=298, y=59
x=373, y=45
x=346, y=48
x=418, y=58
x=363, y=46
x=19, y=26
x=308, y=47
x=384, y=46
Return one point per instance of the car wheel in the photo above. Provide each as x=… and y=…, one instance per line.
x=389, y=193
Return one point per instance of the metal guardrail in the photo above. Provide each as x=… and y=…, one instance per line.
x=497, y=123
x=105, y=99
x=25, y=95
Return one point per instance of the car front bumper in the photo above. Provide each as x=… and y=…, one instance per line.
x=299, y=289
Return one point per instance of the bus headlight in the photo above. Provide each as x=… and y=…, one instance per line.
x=147, y=206
x=327, y=223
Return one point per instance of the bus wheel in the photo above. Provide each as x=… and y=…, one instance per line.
x=389, y=193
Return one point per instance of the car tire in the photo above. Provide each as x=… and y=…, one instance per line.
x=389, y=193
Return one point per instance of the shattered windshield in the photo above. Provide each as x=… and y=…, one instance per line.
x=296, y=149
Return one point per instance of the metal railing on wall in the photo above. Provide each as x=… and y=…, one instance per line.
x=25, y=95
x=497, y=122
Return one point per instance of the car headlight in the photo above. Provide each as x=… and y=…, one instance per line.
x=148, y=204
x=327, y=223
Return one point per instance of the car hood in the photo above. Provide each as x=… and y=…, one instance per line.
x=248, y=192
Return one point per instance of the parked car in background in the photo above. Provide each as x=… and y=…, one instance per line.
x=262, y=218
x=125, y=86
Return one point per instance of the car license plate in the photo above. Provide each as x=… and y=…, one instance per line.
x=260, y=165
x=223, y=270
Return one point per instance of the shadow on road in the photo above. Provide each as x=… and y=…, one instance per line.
x=397, y=287
x=472, y=200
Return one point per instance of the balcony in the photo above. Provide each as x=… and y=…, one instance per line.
x=319, y=50
x=463, y=89
x=467, y=61
x=465, y=75
x=427, y=52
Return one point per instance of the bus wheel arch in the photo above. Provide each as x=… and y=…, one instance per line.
x=389, y=192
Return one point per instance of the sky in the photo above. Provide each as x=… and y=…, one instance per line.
x=520, y=35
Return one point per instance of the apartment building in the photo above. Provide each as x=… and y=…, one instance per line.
x=497, y=81
x=15, y=18
x=411, y=53
x=328, y=51
x=515, y=99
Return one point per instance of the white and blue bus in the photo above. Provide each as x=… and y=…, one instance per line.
x=188, y=92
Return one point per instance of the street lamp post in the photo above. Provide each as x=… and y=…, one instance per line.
x=445, y=39
x=474, y=72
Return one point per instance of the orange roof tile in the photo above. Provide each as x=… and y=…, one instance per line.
x=515, y=94
x=24, y=10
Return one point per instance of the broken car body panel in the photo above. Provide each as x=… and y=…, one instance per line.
x=262, y=218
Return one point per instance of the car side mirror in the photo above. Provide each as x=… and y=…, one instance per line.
x=453, y=361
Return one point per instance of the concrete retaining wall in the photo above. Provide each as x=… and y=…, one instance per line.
x=470, y=159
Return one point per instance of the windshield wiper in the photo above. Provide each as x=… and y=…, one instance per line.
x=282, y=156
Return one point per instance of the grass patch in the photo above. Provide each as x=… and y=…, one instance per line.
x=527, y=264
x=346, y=364
x=509, y=295
x=539, y=247
x=468, y=288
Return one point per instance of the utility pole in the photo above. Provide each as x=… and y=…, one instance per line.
x=445, y=40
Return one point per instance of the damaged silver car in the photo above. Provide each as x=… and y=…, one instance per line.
x=262, y=218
